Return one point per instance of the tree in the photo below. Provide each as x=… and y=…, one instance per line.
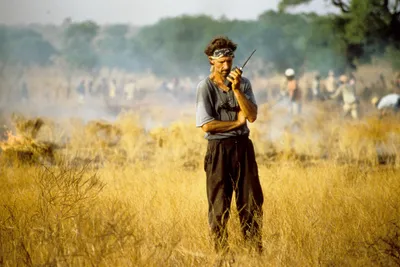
x=173, y=44
x=24, y=46
x=286, y=3
x=368, y=27
x=78, y=48
x=20, y=48
x=325, y=48
x=113, y=47
x=283, y=38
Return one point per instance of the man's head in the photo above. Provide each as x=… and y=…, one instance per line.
x=343, y=78
x=220, y=52
x=289, y=73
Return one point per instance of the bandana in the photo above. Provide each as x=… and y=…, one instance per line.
x=223, y=52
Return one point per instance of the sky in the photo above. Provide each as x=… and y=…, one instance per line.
x=136, y=12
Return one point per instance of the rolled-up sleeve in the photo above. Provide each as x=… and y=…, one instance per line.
x=203, y=105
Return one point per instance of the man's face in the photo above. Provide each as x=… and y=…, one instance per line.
x=223, y=65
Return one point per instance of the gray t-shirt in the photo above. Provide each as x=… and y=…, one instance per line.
x=212, y=103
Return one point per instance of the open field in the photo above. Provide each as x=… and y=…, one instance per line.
x=99, y=193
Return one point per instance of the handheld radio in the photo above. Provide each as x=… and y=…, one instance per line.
x=228, y=83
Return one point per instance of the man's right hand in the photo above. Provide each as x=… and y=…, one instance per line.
x=241, y=119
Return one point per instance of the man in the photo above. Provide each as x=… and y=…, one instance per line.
x=347, y=91
x=112, y=89
x=24, y=92
x=102, y=88
x=130, y=89
x=81, y=90
x=330, y=83
x=388, y=103
x=316, y=87
x=229, y=163
x=290, y=88
x=90, y=88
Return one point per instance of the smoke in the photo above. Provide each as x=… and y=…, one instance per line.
x=159, y=107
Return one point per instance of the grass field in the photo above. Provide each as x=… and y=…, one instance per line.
x=102, y=194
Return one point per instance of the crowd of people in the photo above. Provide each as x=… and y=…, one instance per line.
x=384, y=96
x=342, y=88
x=110, y=90
x=115, y=91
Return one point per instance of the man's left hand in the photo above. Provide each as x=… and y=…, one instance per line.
x=234, y=77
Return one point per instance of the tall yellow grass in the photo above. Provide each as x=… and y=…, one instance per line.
x=125, y=196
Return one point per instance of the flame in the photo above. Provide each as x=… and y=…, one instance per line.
x=11, y=140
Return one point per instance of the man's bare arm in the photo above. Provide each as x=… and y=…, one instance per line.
x=336, y=94
x=216, y=126
x=248, y=107
x=220, y=126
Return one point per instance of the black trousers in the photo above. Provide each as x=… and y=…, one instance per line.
x=230, y=166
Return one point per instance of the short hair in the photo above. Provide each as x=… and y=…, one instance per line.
x=219, y=42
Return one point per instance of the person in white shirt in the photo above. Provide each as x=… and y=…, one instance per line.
x=129, y=90
x=387, y=103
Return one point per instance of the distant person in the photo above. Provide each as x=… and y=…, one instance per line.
x=352, y=80
x=102, y=88
x=350, y=101
x=230, y=162
x=316, y=87
x=129, y=89
x=175, y=84
x=90, y=88
x=290, y=88
x=388, y=103
x=24, y=94
x=330, y=83
x=81, y=90
x=170, y=86
x=112, y=89
x=163, y=88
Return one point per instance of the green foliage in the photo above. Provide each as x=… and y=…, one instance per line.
x=367, y=27
x=285, y=3
x=177, y=40
x=85, y=31
x=282, y=40
x=78, y=48
x=175, y=46
x=24, y=46
x=326, y=47
x=3, y=36
x=113, y=47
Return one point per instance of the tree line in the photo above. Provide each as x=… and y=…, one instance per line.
x=174, y=46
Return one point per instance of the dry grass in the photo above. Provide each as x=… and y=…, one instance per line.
x=120, y=194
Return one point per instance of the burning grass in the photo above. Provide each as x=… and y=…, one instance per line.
x=23, y=146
